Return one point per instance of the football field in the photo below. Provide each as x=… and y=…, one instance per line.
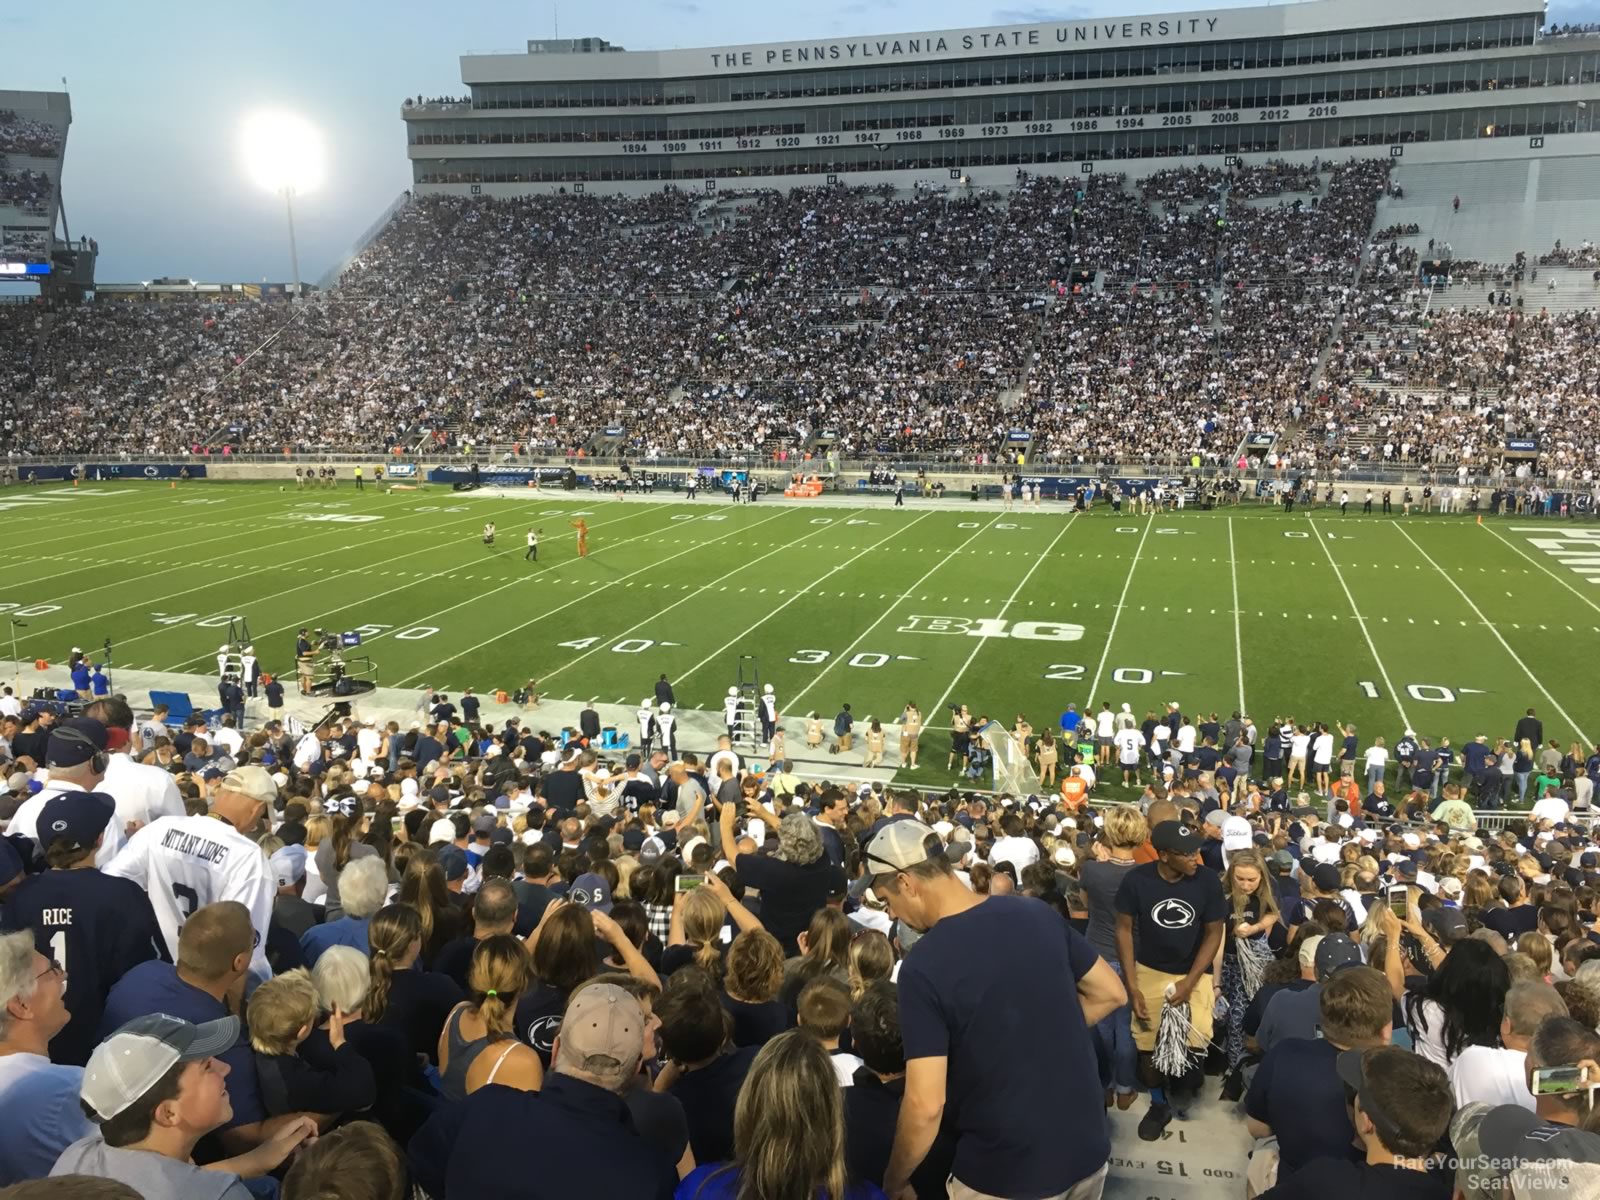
x=1430, y=622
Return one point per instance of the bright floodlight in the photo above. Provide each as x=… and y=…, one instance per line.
x=282, y=150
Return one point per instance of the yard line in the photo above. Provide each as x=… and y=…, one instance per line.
x=799, y=592
x=295, y=536
x=1543, y=568
x=1238, y=643
x=1566, y=716
x=1015, y=592
x=1116, y=615
x=422, y=577
x=893, y=604
x=650, y=566
x=601, y=645
x=1394, y=696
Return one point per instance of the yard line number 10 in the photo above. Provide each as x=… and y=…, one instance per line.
x=1429, y=693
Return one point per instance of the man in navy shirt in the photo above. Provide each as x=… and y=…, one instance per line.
x=983, y=970
x=98, y=927
x=214, y=952
x=575, y=1136
x=469, y=707
x=1173, y=909
x=1296, y=1095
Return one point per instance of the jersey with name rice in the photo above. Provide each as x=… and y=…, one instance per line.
x=185, y=863
x=97, y=928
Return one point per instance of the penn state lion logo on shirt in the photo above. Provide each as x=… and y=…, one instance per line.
x=1173, y=914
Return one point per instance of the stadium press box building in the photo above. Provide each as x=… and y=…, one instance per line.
x=1427, y=80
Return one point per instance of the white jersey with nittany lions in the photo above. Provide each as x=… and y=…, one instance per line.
x=185, y=863
x=730, y=709
x=647, y=723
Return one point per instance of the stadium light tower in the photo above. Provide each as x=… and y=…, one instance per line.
x=283, y=153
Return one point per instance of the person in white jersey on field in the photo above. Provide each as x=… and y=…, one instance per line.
x=647, y=728
x=730, y=713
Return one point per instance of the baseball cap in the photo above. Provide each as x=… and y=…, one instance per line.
x=1237, y=834
x=602, y=1034
x=1308, y=950
x=1216, y=818
x=77, y=818
x=254, y=782
x=1174, y=837
x=1336, y=950
x=211, y=773
x=1281, y=859
x=590, y=890
x=135, y=1058
x=439, y=794
x=74, y=742
x=1326, y=877
x=1352, y=1068
x=288, y=865
x=1512, y=1133
x=454, y=864
x=485, y=823
x=900, y=846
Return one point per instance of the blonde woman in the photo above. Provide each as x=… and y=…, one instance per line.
x=1253, y=915
x=318, y=827
x=1123, y=831
x=1022, y=734
x=871, y=959
x=910, y=734
x=478, y=1045
x=788, y=1131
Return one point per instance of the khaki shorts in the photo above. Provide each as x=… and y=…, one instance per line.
x=1153, y=986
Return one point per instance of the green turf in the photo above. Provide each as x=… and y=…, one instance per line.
x=825, y=599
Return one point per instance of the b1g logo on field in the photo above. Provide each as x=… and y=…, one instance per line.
x=987, y=627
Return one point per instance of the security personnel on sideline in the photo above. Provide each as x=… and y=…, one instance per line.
x=358, y=479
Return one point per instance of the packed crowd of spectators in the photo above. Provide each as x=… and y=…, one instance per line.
x=1120, y=322
x=29, y=136
x=362, y=960
x=25, y=189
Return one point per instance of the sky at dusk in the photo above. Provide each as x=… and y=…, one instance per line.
x=160, y=92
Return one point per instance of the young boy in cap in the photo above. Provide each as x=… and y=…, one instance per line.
x=1177, y=909
x=155, y=1087
x=102, y=925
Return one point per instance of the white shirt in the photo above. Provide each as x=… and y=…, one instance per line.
x=231, y=740
x=1129, y=743
x=143, y=793
x=1104, y=724
x=10, y=706
x=844, y=1066
x=26, y=822
x=1551, y=808
x=1582, y=791
x=1377, y=756
x=1086, y=773
x=307, y=751
x=1020, y=852
x=1186, y=734
x=714, y=766
x=368, y=740
x=1322, y=751
x=186, y=863
x=1489, y=1075
x=1297, y=746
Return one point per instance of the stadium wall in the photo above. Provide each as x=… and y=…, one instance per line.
x=1481, y=150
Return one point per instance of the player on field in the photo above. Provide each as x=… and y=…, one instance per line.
x=94, y=926
x=582, y=527
x=488, y=534
x=185, y=863
x=533, y=546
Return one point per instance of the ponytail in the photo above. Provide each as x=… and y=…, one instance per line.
x=390, y=934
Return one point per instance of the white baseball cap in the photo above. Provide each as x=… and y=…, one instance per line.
x=135, y=1058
